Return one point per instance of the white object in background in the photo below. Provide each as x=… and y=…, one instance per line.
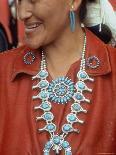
x=101, y=12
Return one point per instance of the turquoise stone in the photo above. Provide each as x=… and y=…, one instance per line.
x=48, y=145
x=83, y=75
x=51, y=127
x=44, y=94
x=68, y=98
x=65, y=144
x=76, y=107
x=71, y=117
x=71, y=84
x=81, y=85
x=43, y=74
x=61, y=90
x=78, y=96
x=43, y=84
x=62, y=100
x=57, y=100
x=65, y=99
x=56, y=140
x=53, y=98
x=70, y=94
x=67, y=127
x=51, y=95
x=48, y=116
x=45, y=105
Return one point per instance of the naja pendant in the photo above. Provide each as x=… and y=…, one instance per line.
x=57, y=143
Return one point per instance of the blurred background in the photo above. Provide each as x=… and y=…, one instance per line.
x=11, y=29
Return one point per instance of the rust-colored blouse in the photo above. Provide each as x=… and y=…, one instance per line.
x=18, y=128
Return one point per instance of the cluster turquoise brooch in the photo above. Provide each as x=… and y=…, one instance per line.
x=61, y=91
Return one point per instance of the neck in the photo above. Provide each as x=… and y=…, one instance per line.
x=63, y=52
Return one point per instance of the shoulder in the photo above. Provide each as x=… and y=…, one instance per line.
x=105, y=54
x=112, y=55
x=8, y=57
x=102, y=49
x=12, y=62
x=111, y=50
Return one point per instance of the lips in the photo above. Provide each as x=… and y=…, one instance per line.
x=30, y=27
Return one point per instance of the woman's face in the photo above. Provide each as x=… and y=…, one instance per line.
x=44, y=20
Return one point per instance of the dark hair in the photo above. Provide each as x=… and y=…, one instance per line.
x=105, y=35
x=83, y=9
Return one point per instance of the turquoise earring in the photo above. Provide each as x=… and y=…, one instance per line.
x=72, y=21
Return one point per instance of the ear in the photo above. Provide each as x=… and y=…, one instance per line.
x=76, y=4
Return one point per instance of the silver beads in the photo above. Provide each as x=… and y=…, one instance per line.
x=92, y=62
x=29, y=58
x=62, y=90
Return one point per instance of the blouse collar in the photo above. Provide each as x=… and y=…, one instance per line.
x=95, y=51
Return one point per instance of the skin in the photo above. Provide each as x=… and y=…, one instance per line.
x=53, y=32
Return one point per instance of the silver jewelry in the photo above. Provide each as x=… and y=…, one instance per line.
x=29, y=58
x=61, y=90
x=92, y=62
x=57, y=142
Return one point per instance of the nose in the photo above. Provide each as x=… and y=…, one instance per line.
x=24, y=10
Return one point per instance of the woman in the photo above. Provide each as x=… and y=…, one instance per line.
x=57, y=93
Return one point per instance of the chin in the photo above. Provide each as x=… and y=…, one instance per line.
x=32, y=43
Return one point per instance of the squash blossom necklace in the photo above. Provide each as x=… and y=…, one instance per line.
x=61, y=90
